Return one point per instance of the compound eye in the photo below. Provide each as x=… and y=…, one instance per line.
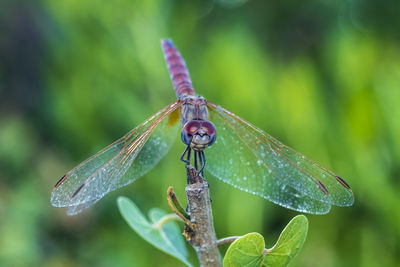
x=208, y=127
x=190, y=128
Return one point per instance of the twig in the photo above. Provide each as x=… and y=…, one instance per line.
x=227, y=240
x=202, y=237
x=165, y=219
x=174, y=204
x=177, y=208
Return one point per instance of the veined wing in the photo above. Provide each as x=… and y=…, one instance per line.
x=253, y=161
x=118, y=164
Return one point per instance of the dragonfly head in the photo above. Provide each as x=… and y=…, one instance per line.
x=198, y=134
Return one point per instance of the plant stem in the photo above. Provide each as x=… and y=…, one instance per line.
x=165, y=219
x=227, y=240
x=201, y=234
x=175, y=205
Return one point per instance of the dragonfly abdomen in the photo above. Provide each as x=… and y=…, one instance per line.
x=177, y=69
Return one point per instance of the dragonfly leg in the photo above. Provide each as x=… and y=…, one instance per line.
x=204, y=163
x=202, y=160
x=187, y=153
x=195, y=160
x=199, y=159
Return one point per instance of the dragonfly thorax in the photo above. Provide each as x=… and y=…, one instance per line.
x=198, y=134
x=193, y=108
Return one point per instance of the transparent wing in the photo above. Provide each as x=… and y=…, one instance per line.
x=253, y=161
x=119, y=164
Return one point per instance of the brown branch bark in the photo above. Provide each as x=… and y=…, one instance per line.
x=201, y=234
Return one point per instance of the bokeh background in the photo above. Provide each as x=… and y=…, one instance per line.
x=321, y=76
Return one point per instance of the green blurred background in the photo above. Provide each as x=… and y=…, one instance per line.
x=321, y=76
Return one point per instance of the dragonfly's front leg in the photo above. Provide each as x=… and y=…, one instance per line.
x=199, y=160
x=187, y=153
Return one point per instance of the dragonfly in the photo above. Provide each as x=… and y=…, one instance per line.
x=243, y=155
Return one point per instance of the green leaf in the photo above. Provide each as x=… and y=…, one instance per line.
x=167, y=238
x=289, y=243
x=249, y=250
x=245, y=251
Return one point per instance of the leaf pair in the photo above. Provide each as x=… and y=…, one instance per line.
x=249, y=250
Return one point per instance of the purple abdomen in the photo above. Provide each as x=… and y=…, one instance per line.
x=177, y=69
